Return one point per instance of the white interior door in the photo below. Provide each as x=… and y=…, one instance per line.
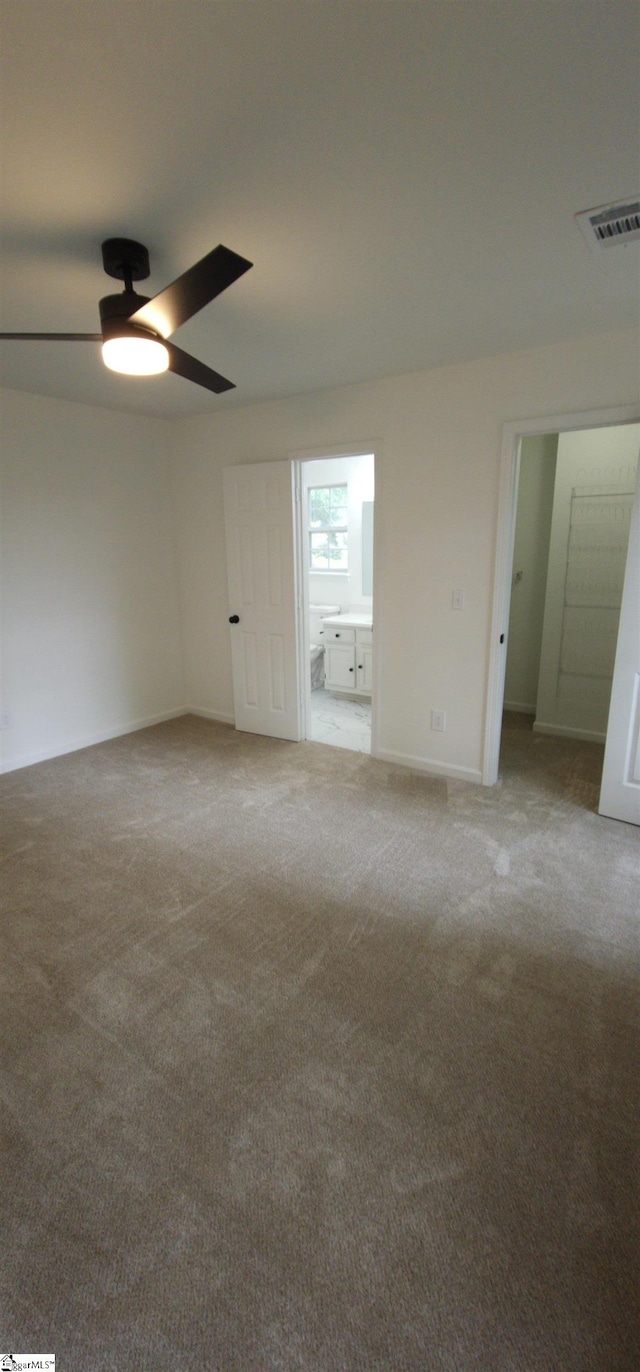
x=259, y=526
x=620, y=793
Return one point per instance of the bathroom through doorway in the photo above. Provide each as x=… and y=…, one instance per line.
x=336, y=495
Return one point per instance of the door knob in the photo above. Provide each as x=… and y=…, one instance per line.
x=234, y=619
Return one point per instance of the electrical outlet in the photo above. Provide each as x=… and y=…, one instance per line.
x=458, y=600
x=438, y=721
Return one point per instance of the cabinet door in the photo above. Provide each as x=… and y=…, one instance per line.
x=339, y=665
x=364, y=672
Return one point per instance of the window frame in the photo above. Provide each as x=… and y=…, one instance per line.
x=328, y=529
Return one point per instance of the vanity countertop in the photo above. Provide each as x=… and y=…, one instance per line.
x=349, y=621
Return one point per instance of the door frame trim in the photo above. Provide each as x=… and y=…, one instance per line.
x=512, y=436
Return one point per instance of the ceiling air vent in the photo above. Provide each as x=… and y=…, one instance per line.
x=608, y=226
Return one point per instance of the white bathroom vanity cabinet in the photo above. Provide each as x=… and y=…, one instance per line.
x=348, y=653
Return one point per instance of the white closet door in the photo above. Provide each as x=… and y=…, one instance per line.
x=259, y=526
x=620, y=793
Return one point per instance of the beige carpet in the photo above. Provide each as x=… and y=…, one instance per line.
x=312, y=1063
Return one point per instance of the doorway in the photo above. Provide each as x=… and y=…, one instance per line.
x=335, y=506
x=559, y=574
x=573, y=514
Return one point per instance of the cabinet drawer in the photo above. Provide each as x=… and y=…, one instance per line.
x=364, y=638
x=333, y=635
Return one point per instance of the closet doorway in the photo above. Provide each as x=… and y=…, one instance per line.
x=567, y=502
x=575, y=497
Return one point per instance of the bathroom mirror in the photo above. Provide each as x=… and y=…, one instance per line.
x=367, y=547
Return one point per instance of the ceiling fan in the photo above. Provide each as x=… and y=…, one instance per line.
x=135, y=328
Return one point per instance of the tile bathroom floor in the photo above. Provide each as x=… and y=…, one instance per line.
x=341, y=722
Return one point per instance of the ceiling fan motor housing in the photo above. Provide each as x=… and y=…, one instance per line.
x=116, y=311
x=127, y=261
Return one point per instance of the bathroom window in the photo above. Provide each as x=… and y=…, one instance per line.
x=328, y=533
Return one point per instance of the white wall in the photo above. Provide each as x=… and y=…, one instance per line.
x=91, y=620
x=437, y=438
x=91, y=633
x=530, y=558
x=343, y=589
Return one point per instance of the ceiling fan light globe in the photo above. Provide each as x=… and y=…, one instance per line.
x=135, y=356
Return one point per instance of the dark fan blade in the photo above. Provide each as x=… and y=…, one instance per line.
x=195, y=288
x=184, y=365
x=56, y=337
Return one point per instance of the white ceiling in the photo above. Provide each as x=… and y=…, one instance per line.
x=403, y=174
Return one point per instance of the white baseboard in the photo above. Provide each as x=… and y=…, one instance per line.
x=210, y=714
x=88, y=741
x=563, y=731
x=416, y=764
x=518, y=708
x=424, y=764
